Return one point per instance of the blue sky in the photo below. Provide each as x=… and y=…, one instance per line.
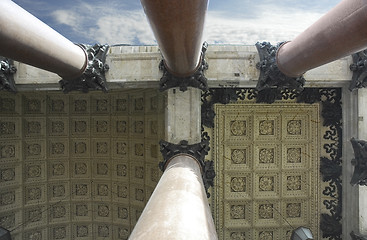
x=227, y=21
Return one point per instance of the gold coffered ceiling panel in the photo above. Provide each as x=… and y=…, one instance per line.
x=267, y=165
x=78, y=166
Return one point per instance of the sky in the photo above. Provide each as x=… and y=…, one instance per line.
x=243, y=22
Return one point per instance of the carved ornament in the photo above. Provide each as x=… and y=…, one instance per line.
x=197, y=151
x=359, y=68
x=93, y=76
x=270, y=75
x=7, y=70
x=360, y=162
x=197, y=80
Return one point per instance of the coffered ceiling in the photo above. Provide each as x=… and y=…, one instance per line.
x=78, y=166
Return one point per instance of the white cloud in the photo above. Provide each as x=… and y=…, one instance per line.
x=109, y=24
x=271, y=24
x=65, y=17
x=129, y=27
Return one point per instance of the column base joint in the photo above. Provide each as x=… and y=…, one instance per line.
x=93, y=76
x=270, y=75
x=197, y=151
x=196, y=80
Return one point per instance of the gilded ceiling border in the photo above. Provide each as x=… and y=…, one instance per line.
x=330, y=164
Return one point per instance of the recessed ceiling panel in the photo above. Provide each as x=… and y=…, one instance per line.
x=267, y=164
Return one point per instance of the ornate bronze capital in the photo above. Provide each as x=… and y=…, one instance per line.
x=270, y=75
x=197, y=80
x=94, y=75
x=359, y=162
x=7, y=71
x=197, y=151
x=359, y=68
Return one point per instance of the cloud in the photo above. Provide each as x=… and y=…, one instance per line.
x=107, y=23
x=65, y=17
x=272, y=24
x=130, y=27
x=114, y=25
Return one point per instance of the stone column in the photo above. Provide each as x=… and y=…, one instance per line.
x=178, y=208
x=178, y=28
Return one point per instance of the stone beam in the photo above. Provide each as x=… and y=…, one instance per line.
x=350, y=199
x=362, y=134
x=230, y=66
x=183, y=116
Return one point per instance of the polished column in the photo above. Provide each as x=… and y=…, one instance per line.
x=178, y=208
x=26, y=39
x=178, y=27
x=340, y=32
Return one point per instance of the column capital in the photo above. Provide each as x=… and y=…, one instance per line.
x=360, y=162
x=197, y=151
x=93, y=76
x=359, y=69
x=270, y=74
x=196, y=80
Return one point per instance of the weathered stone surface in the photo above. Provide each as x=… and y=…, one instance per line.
x=230, y=66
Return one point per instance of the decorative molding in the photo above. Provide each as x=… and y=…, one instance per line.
x=7, y=70
x=329, y=169
x=330, y=164
x=227, y=95
x=360, y=162
x=270, y=75
x=357, y=236
x=94, y=75
x=331, y=109
x=359, y=68
x=211, y=97
x=197, y=80
x=197, y=151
